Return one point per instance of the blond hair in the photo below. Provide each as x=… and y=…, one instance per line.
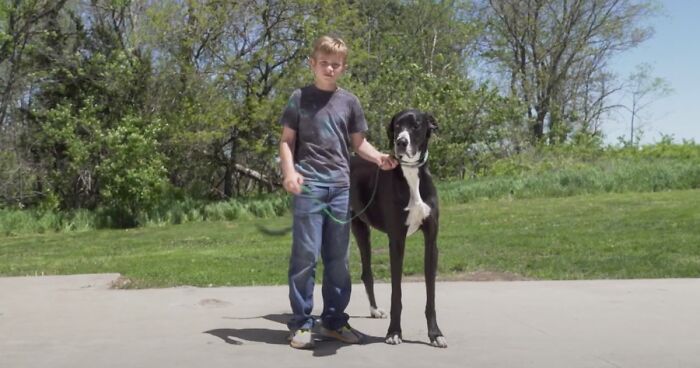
x=330, y=45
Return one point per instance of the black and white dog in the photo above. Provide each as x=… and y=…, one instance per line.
x=405, y=200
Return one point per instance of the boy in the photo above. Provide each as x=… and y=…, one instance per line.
x=319, y=123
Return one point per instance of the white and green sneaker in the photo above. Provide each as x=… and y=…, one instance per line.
x=301, y=339
x=345, y=334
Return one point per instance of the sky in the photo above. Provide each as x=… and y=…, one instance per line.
x=674, y=54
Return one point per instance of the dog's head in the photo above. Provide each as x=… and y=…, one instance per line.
x=409, y=132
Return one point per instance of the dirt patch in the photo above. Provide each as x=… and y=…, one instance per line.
x=471, y=276
x=122, y=283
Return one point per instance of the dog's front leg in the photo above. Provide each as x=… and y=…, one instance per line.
x=397, y=246
x=430, y=230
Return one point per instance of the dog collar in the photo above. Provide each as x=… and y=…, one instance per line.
x=420, y=162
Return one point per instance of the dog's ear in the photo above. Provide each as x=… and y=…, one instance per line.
x=390, y=130
x=432, y=124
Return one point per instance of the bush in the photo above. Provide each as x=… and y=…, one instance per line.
x=133, y=175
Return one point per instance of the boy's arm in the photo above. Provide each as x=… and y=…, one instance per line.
x=291, y=180
x=363, y=148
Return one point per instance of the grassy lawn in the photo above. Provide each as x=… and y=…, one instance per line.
x=631, y=235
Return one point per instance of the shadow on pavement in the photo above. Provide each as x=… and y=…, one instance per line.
x=265, y=335
x=324, y=346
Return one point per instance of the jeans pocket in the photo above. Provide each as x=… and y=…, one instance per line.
x=309, y=201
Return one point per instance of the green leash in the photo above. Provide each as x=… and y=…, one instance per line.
x=306, y=190
x=284, y=231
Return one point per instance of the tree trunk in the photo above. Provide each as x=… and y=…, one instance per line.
x=228, y=180
x=538, y=127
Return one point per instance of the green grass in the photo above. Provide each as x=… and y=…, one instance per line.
x=630, y=235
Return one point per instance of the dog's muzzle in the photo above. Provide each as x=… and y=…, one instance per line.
x=401, y=146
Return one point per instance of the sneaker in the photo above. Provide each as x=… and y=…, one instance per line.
x=345, y=334
x=301, y=339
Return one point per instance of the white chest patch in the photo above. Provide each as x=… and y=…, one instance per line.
x=417, y=209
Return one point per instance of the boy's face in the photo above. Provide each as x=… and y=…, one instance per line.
x=327, y=68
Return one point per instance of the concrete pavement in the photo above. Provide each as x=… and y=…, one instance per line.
x=78, y=321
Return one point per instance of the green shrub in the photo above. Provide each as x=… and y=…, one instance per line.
x=133, y=175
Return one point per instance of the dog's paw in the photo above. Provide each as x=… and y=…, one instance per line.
x=393, y=339
x=378, y=313
x=439, y=342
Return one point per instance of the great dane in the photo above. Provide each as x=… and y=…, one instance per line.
x=399, y=202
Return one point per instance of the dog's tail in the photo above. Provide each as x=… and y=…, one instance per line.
x=273, y=232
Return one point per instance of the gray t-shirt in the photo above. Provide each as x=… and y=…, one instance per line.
x=323, y=121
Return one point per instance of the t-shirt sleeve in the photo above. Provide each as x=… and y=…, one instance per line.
x=290, y=115
x=357, y=122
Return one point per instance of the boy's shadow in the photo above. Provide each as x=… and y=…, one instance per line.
x=264, y=335
x=324, y=347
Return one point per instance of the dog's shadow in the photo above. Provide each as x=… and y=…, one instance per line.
x=324, y=347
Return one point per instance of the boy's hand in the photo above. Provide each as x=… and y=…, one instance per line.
x=387, y=162
x=293, y=182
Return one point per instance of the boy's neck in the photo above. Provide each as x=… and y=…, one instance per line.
x=326, y=87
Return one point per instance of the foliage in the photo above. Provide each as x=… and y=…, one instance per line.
x=127, y=107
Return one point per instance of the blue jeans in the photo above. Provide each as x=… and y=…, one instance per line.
x=313, y=232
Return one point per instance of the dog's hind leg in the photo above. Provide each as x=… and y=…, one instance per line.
x=361, y=232
x=430, y=230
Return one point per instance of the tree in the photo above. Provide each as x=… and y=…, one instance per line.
x=219, y=79
x=21, y=23
x=553, y=52
x=643, y=90
x=89, y=132
x=420, y=54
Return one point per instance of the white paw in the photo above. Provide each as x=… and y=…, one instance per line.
x=378, y=313
x=394, y=339
x=439, y=342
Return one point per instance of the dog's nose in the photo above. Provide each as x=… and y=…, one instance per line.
x=401, y=142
